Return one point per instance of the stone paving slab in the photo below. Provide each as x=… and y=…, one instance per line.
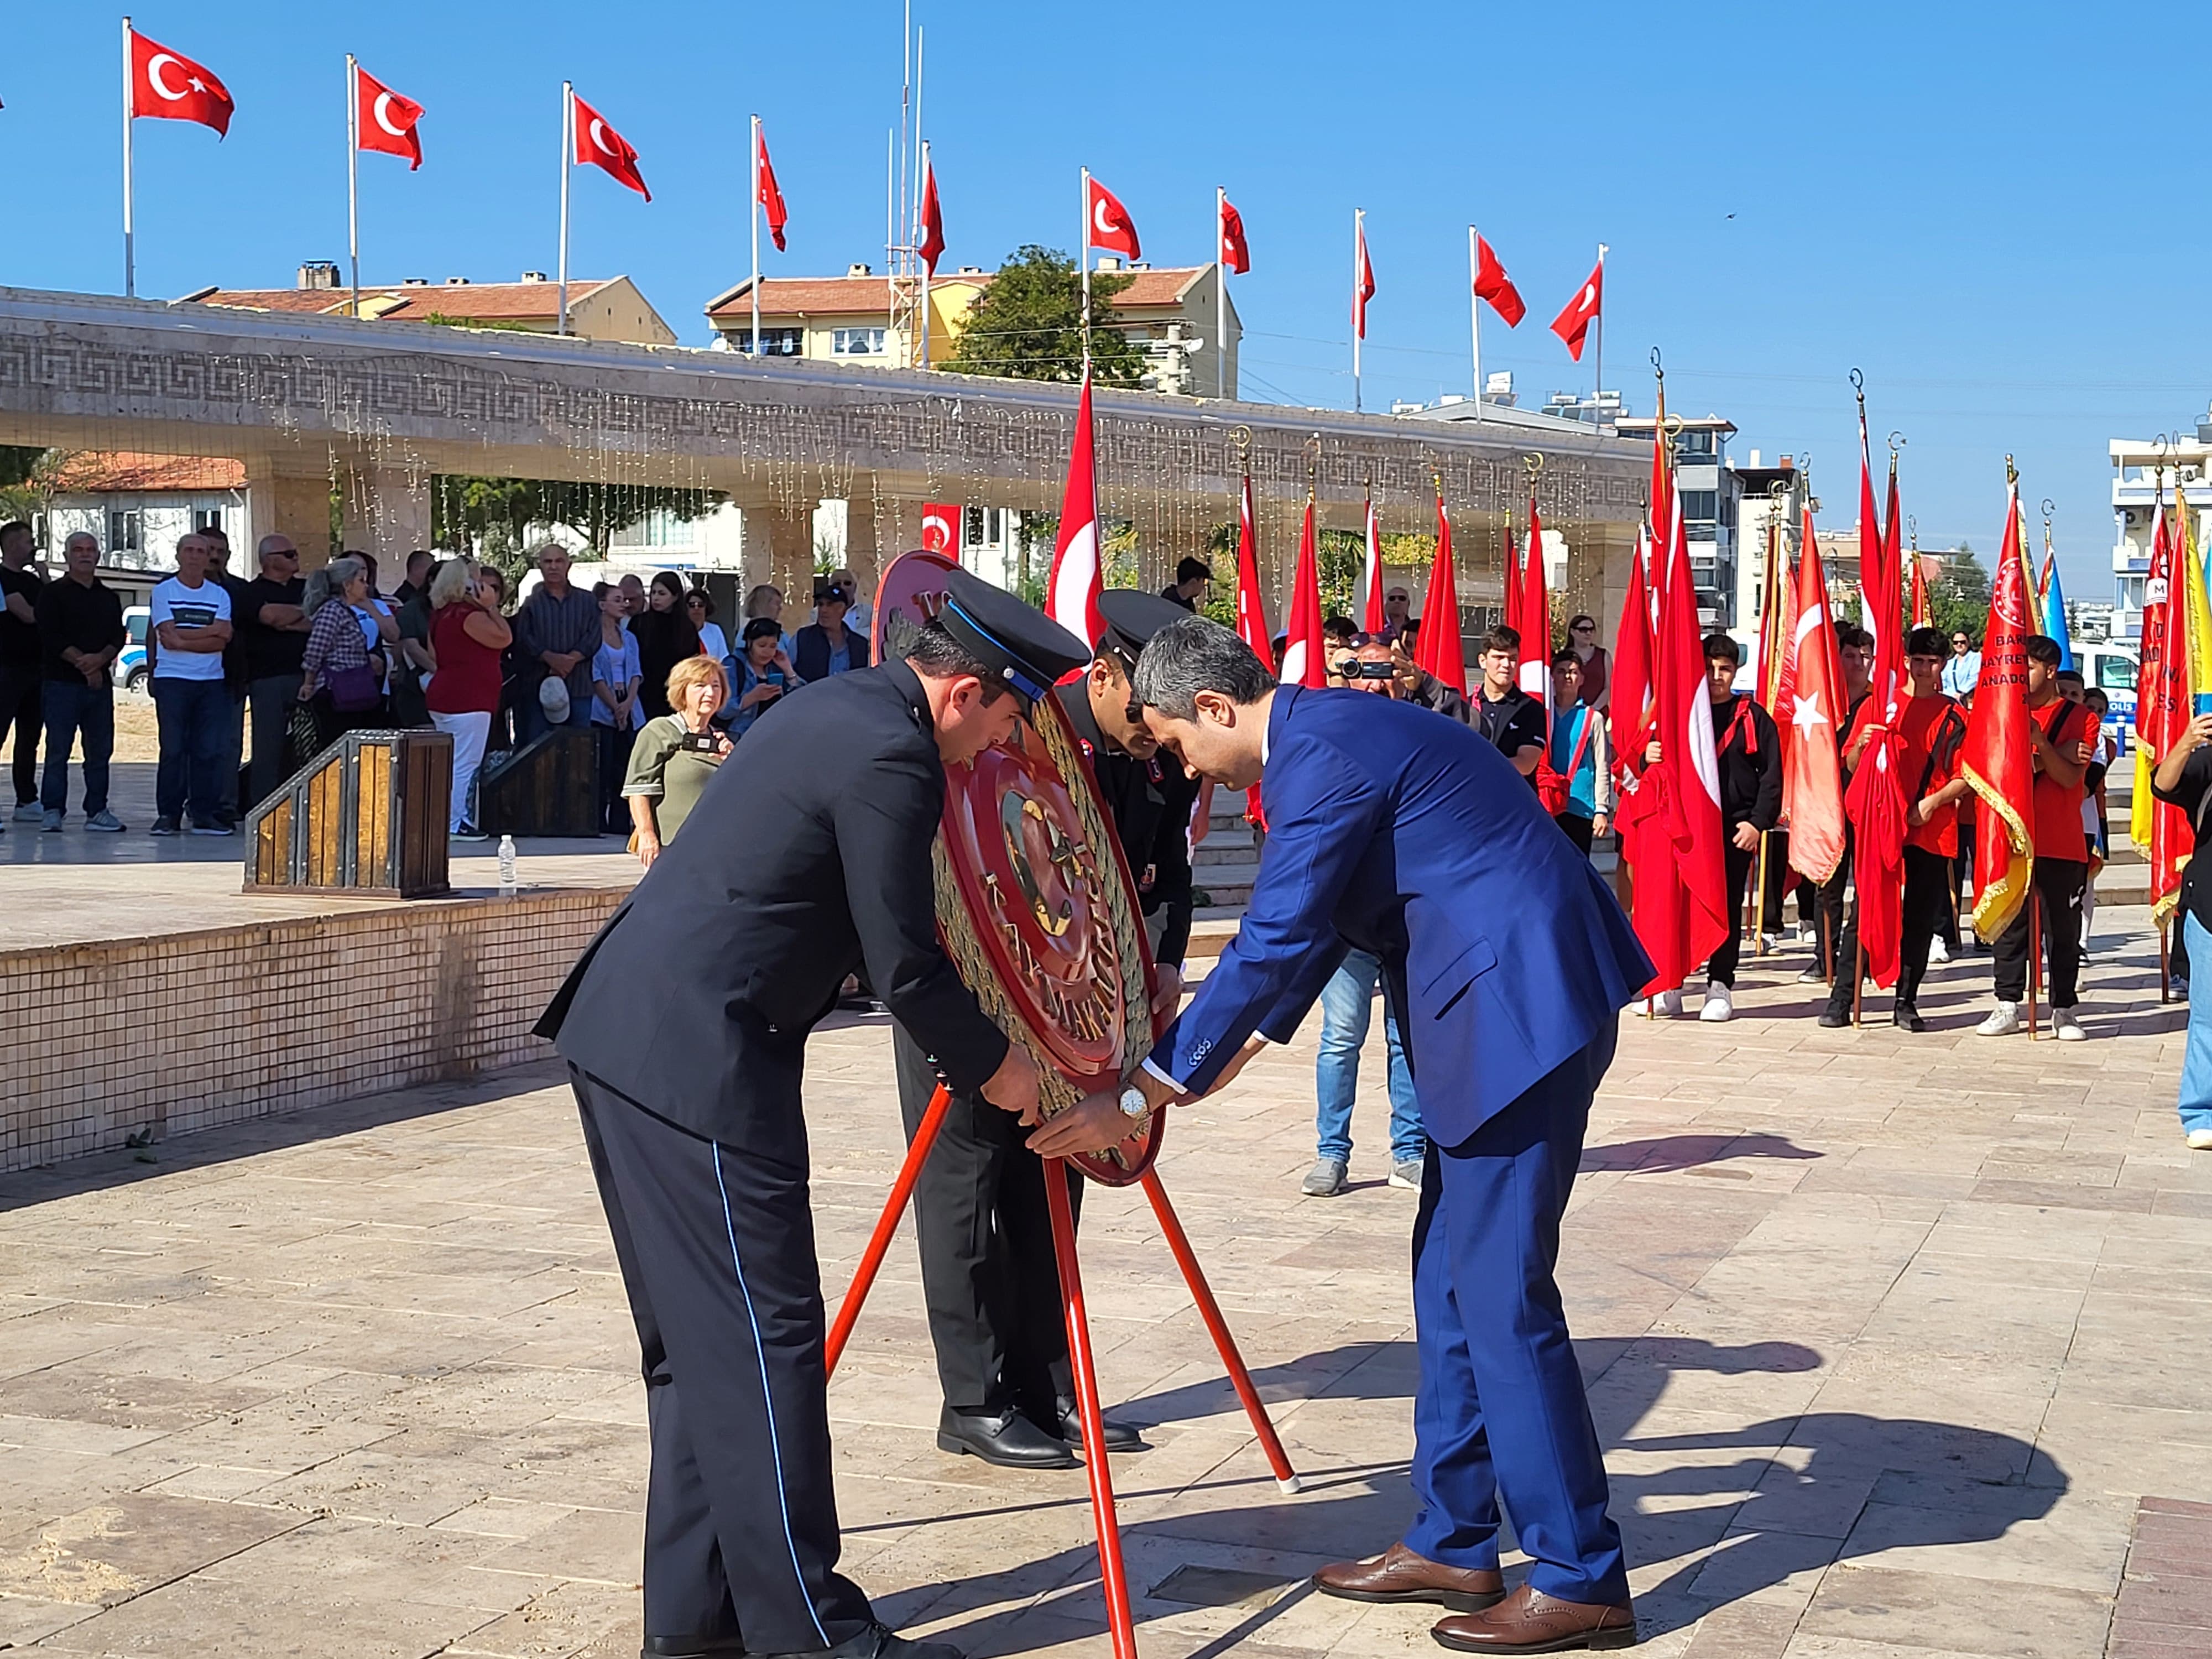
x=1894, y=1344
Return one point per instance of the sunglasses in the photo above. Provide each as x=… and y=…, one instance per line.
x=1584, y=627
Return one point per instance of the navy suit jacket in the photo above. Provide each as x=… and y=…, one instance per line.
x=1410, y=836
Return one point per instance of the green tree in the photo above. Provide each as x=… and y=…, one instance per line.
x=492, y=517
x=1959, y=598
x=30, y=478
x=1027, y=324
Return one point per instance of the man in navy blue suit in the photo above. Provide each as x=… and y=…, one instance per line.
x=1410, y=837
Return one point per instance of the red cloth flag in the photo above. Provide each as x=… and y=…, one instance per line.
x=1629, y=713
x=1234, y=254
x=1491, y=284
x=1531, y=614
x=1371, y=619
x=1111, y=227
x=166, y=86
x=1923, y=615
x=1438, y=651
x=1876, y=801
x=1363, y=277
x=1305, y=646
x=932, y=242
x=1808, y=708
x=1251, y=604
x=2173, y=667
x=600, y=146
x=940, y=528
x=384, y=121
x=1998, y=757
x=771, y=197
x=1572, y=324
x=1071, y=599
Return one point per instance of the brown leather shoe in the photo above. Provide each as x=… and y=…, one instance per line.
x=1399, y=1575
x=1529, y=1621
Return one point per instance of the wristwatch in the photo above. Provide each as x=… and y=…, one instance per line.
x=1134, y=1105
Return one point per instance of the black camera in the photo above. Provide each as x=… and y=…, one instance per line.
x=1351, y=668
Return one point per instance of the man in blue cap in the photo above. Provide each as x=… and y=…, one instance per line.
x=684, y=1026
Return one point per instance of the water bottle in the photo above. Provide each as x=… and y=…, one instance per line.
x=506, y=867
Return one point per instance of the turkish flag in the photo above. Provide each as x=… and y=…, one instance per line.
x=771, y=198
x=1629, y=711
x=384, y=121
x=1111, y=227
x=165, y=86
x=931, y=245
x=1438, y=652
x=1528, y=608
x=1362, y=278
x=1305, y=646
x=1998, y=757
x=1371, y=619
x=1572, y=324
x=1491, y=284
x=940, y=529
x=1234, y=254
x=1876, y=802
x=1808, y=708
x=600, y=146
x=1251, y=604
x=1072, y=600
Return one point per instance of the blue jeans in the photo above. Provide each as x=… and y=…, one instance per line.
x=193, y=716
x=1347, y=1004
x=75, y=709
x=2197, y=1056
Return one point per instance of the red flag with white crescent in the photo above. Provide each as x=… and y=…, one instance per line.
x=940, y=528
x=384, y=121
x=930, y=245
x=1808, y=709
x=1371, y=618
x=1876, y=801
x=1304, y=647
x=1491, y=284
x=1251, y=604
x=771, y=197
x=1072, y=600
x=1535, y=611
x=599, y=145
x=168, y=86
x=1234, y=254
x=1998, y=759
x=1575, y=318
x=1111, y=227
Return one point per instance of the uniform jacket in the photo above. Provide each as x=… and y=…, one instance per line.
x=695, y=999
x=1414, y=839
x=1150, y=802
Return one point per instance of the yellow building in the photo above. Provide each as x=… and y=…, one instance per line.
x=609, y=309
x=858, y=318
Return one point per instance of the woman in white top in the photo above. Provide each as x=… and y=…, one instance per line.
x=699, y=605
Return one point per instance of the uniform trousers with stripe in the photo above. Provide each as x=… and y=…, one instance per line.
x=716, y=1247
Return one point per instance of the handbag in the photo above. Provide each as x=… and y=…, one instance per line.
x=353, y=691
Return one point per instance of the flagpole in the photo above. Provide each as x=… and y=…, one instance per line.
x=1087, y=274
x=130, y=254
x=1358, y=318
x=927, y=179
x=1474, y=316
x=890, y=229
x=353, y=177
x=1220, y=292
x=915, y=266
x=567, y=148
x=755, y=288
x=1597, y=350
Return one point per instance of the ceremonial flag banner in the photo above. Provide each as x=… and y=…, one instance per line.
x=768, y=195
x=1531, y=604
x=1251, y=604
x=1572, y=325
x=1371, y=619
x=1111, y=228
x=1235, y=256
x=1072, y=599
x=1363, y=277
x=1923, y=615
x=931, y=245
x=1492, y=284
x=2054, y=609
x=2177, y=671
x=1439, y=653
x=599, y=145
x=1811, y=703
x=384, y=122
x=168, y=86
x=1997, y=759
x=1304, y=644
x=1874, y=802
x=1629, y=713
x=940, y=528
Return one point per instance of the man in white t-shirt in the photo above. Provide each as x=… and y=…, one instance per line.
x=191, y=624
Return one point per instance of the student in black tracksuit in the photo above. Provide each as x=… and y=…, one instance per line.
x=1855, y=654
x=1750, y=755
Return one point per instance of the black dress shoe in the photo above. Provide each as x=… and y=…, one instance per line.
x=1006, y=1438
x=1907, y=1017
x=1834, y=1018
x=692, y=1647
x=1120, y=1436
x=877, y=1642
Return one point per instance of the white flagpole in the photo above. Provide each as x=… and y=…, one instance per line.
x=1220, y=292
x=919, y=271
x=1358, y=306
x=1086, y=273
x=129, y=252
x=756, y=217
x=1474, y=313
x=891, y=231
x=567, y=149
x=927, y=178
x=353, y=177
x=1597, y=351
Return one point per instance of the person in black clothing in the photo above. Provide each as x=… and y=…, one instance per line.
x=1508, y=716
x=1749, y=750
x=1191, y=577
x=21, y=667
x=1855, y=654
x=2183, y=778
x=987, y=1270
x=664, y=637
x=80, y=636
x=273, y=621
x=235, y=672
x=684, y=1026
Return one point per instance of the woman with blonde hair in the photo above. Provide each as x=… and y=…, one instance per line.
x=467, y=634
x=674, y=755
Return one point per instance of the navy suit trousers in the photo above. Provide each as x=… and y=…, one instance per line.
x=1500, y=1410
x=716, y=1248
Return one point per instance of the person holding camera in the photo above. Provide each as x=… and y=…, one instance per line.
x=762, y=672
x=675, y=755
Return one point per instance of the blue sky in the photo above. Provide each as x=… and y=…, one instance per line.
x=1951, y=197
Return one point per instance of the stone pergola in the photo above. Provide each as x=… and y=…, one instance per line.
x=377, y=409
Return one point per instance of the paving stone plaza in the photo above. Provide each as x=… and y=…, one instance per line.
x=1894, y=1344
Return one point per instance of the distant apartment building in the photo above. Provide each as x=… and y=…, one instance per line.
x=859, y=319
x=1765, y=497
x=139, y=507
x=603, y=308
x=2135, y=464
x=1710, y=490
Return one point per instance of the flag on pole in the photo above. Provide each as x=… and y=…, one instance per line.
x=1362, y=278
x=930, y=243
x=1305, y=646
x=1875, y=801
x=1997, y=760
x=1629, y=714
x=1811, y=705
x=1438, y=652
x=1529, y=610
x=940, y=529
x=1111, y=227
x=1780, y=680
x=168, y=86
x=1371, y=619
x=1251, y=604
x=1071, y=599
x=1923, y=615
x=2054, y=607
x=385, y=121
x=1491, y=284
x=771, y=197
x=1234, y=254
x=602, y=147
x=2177, y=671
x=1573, y=322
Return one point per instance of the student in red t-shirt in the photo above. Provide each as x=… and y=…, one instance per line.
x=2062, y=735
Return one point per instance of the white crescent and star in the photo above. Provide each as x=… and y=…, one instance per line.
x=161, y=86
x=381, y=111
x=1102, y=220
x=596, y=133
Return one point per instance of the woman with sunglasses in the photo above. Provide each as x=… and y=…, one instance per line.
x=1596, y=666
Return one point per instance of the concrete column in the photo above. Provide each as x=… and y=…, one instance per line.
x=280, y=504
x=863, y=554
x=388, y=514
x=779, y=549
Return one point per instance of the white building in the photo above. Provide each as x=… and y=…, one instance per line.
x=1764, y=495
x=1709, y=488
x=2136, y=462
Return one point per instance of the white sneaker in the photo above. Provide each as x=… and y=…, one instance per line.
x=1937, y=950
x=1719, y=1005
x=1807, y=934
x=1769, y=941
x=2003, y=1021
x=1670, y=1004
x=2066, y=1027
x=2200, y=1140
